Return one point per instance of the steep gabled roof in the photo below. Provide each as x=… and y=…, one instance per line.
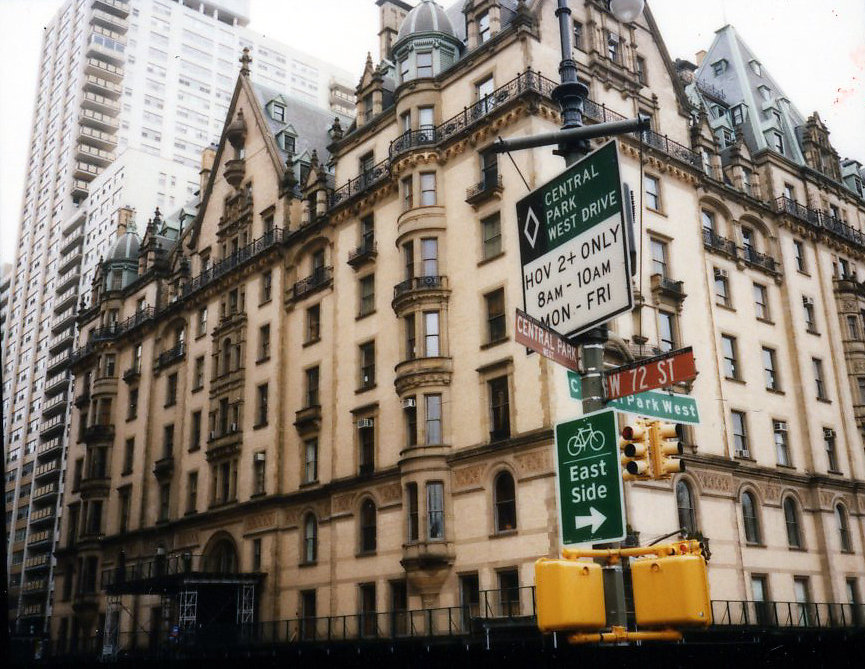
x=310, y=123
x=731, y=67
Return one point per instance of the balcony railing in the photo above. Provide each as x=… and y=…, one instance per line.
x=484, y=190
x=44, y=491
x=715, y=241
x=366, y=251
x=318, y=279
x=759, y=260
x=819, y=220
x=236, y=259
x=172, y=355
x=528, y=82
x=365, y=181
x=132, y=373
x=420, y=283
x=37, y=561
x=787, y=614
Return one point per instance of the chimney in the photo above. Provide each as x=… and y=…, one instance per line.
x=125, y=220
x=700, y=55
x=391, y=16
x=208, y=155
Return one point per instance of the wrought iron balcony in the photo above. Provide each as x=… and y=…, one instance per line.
x=526, y=83
x=667, y=287
x=420, y=283
x=370, y=177
x=759, y=260
x=171, y=356
x=819, y=220
x=484, y=190
x=320, y=278
x=235, y=260
x=132, y=374
x=716, y=242
x=362, y=254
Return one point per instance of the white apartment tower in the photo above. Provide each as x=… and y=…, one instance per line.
x=130, y=92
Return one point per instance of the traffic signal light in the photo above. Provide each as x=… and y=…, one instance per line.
x=636, y=451
x=665, y=441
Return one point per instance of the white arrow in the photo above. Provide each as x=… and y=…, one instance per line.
x=595, y=519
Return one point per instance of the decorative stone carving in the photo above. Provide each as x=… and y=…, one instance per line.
x=771, y=492
x=534, y=462
x=259, y=521
x=715, y=481
x=467, y=477
x=390, y=492
x=343, y=503
x=185, y=539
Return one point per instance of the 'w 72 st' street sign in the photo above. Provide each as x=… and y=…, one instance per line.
x=658, y=372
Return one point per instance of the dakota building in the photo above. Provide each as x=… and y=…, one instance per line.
x=305, y=400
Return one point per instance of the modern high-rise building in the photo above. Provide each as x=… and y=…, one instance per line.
x=305, y=414
x=129, y=94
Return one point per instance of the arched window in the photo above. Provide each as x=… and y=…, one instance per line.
x=310, y=538
x=367, y=527
x=685, y=504
x=505, y=502
x=222, y=558
x=791, y=519
x=749, y=518
x=843, y=528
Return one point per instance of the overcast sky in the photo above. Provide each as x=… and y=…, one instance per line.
x=815, y=52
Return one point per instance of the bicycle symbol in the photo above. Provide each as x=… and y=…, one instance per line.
x=586, y=436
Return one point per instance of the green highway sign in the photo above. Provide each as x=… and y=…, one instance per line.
x=573, y=246
x=655, y=404
x=589, y=480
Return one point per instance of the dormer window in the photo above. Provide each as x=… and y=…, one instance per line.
x=483, y=27
x=403, y=69
x=277, y=112
x=738, y=114
x=766, y=92
x=286, y=141
x=756, y=68
x=719, y=67
x=424, y=64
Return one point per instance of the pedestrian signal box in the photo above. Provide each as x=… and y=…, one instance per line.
x=570, y=595
x=671, y=591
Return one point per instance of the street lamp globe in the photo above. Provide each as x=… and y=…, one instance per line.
x=626, y=10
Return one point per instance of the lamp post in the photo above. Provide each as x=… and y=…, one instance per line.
x=573, y=144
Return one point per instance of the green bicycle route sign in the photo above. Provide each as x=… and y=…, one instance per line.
x=589, y=480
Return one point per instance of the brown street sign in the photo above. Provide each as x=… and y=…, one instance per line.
x=533, y=334
x=658, y=372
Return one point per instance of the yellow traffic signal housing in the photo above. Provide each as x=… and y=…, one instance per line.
x=671, y=591
x=636, y=456
x=665, y=441
x=570, y=595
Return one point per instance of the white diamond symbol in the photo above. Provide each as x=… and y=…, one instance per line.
x=531, y=228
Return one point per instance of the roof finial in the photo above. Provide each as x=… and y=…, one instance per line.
x=245, y=60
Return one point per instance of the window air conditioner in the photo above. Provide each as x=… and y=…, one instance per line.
x=213, y=434
x=363, y=423
x=779, y=426
x=259, y=457
x=808, y=301
x=409, y=403
x=828, y=433
x=232, y=427
x=720, y=273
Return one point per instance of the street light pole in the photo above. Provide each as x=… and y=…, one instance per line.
x=573, y=144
